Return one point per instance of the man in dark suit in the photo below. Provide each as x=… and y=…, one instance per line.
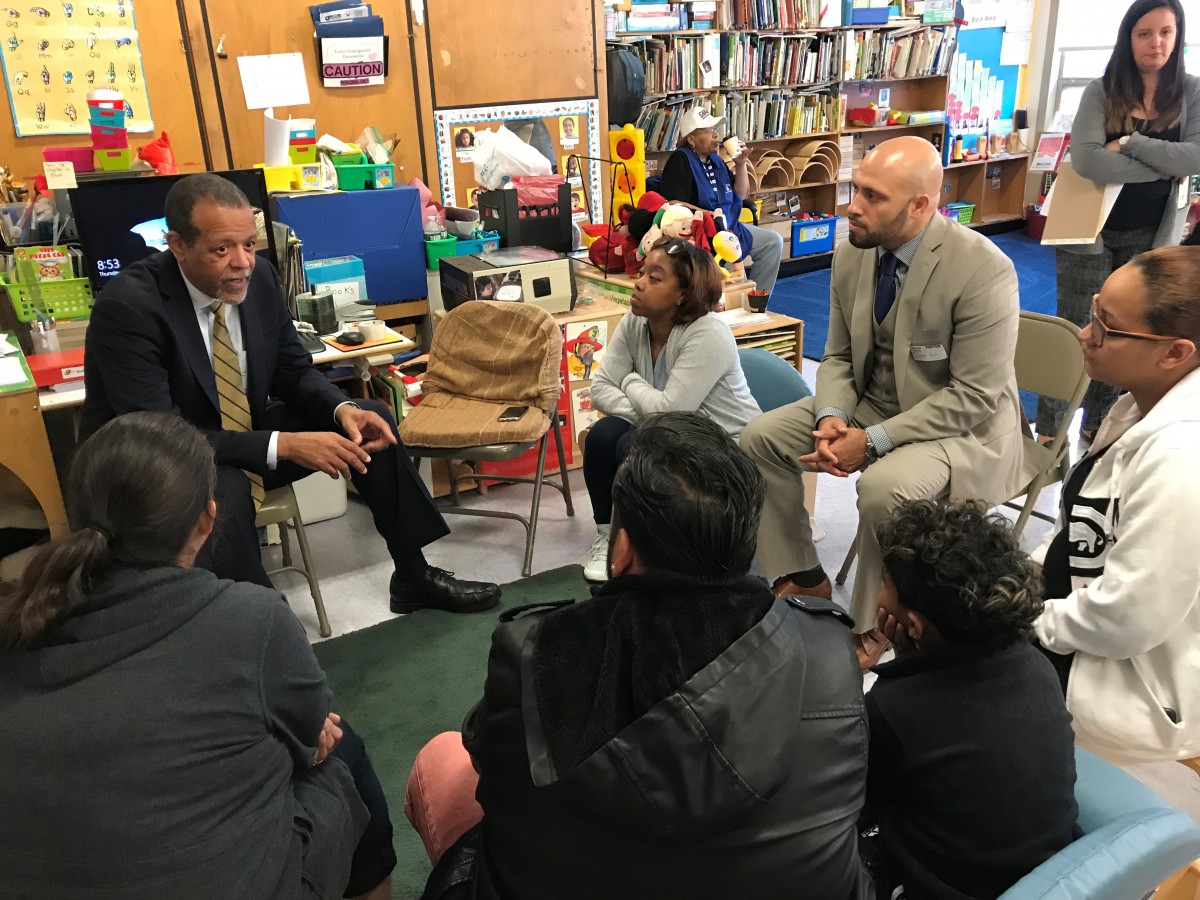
x=200, y=331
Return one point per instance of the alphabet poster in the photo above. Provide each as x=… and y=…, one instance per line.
x=54, y=53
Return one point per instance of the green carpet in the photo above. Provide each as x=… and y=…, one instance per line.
x=401, y=682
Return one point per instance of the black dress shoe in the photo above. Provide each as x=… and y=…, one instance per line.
x=439, y=589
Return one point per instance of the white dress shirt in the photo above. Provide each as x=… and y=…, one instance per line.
x=233, y=324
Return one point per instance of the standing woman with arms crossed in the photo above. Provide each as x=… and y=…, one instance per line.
x=1138, y=126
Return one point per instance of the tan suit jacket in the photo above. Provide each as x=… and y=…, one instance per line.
x=960, y=294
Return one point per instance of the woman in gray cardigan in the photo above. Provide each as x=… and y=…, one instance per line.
x=1138, y=126
x=669, y=354
x=169, y=733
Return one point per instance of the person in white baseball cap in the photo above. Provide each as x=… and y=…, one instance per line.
x=696, y=176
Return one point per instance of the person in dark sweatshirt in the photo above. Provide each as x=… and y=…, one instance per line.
x=971, y=772
x=169, y=731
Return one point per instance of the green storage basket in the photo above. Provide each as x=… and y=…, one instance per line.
x=368, y=177
x=436, y=250
x=964, y=211
x=70, y=298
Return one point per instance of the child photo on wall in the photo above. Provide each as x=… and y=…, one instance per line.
x=570, y=169
x=568, y=131
x=464, y=143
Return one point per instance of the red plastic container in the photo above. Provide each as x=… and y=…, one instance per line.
x=106, y=138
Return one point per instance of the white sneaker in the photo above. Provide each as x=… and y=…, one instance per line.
x=595, y=567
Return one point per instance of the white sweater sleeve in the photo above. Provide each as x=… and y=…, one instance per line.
x=707, y=351
x=1149, y=582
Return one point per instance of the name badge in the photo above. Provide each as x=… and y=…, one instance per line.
x=928, y=352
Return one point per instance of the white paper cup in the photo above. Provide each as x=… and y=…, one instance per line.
x=733, y=147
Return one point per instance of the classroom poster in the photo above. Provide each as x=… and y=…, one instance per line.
x=584, y=414
x=585, y=347
x=54, y=54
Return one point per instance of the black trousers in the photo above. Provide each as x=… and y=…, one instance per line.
x=406, y=516
x=606, y=448
x=374, y=857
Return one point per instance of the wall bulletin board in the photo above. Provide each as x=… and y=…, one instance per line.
x=55, y=53
x=557, y=130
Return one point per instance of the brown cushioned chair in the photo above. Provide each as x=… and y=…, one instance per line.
x=485, y=357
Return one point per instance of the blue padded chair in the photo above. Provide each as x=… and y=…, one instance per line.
x=773, y=381
x=1132, y=841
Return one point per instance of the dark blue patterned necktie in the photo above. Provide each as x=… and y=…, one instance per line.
x=885, y=288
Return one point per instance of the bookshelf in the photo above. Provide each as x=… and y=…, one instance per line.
x=780, y=83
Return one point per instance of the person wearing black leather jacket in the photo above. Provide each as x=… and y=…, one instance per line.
x=683, y=733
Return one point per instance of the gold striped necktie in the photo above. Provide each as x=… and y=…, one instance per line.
x=231, y=390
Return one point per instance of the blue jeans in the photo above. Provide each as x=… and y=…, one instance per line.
x=606, y=447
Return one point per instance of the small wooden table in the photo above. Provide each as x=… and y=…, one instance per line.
x=25, y=451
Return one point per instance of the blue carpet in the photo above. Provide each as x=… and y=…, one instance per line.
x=807, y=296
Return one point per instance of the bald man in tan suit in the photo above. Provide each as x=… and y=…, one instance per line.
x=916, y=390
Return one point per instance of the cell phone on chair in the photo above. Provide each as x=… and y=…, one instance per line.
x=512, y=414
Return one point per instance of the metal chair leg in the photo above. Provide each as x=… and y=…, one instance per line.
x=314, y=588
x=537, y=499
x=562, y=465
x=285, y=545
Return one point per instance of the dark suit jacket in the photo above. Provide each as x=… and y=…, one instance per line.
x=145, y=352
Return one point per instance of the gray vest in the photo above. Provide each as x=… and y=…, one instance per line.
x=881, y=386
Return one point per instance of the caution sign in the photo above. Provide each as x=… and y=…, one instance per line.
x=352, y=62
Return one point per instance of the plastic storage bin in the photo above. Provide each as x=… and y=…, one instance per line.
x=964, y=212
x=436, y=250
x=100, y=115
x=540, y=226
x=302, y=154
x=105, y=138
x=112, y=160
x=813, y=235
x=470, y=246
x=79, y=157
x=366, y=177
x=70, y=298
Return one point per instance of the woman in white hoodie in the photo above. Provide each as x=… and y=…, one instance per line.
x=1122, y=565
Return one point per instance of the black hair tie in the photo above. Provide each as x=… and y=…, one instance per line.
x=101, y=529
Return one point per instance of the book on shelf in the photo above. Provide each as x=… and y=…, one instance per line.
x=752, y=116
x=704, y=62
x=772, y=14
x=903, y=53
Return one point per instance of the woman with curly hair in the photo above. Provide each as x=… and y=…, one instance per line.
x=971, y=768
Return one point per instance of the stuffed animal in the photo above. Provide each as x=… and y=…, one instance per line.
x=675, y=220
x=728, y=250
x=704, y=229
x=640, y=225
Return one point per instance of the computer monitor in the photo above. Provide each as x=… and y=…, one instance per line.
x=120, y=220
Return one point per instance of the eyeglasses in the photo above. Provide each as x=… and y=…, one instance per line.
x=1100, y=331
